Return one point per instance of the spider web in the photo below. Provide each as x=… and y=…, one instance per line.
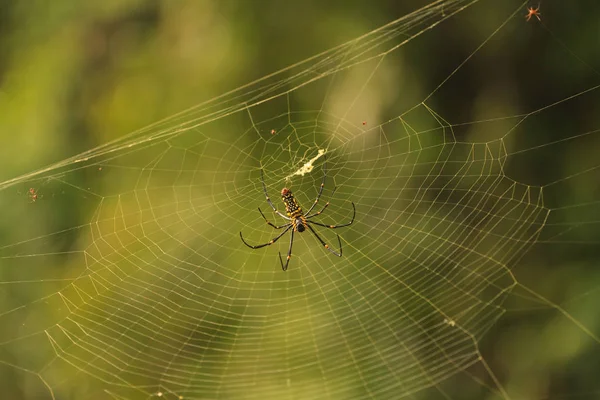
x=155, y=295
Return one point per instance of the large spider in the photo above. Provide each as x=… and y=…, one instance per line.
x=298, y=220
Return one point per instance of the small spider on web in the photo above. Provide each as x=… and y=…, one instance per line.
x=533, y=12
x=33, y=195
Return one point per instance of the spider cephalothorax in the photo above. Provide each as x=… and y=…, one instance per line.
x=298, y=221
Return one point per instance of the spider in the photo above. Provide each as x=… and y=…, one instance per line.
x=299, y=221
x=533, y=12
x=33, y=195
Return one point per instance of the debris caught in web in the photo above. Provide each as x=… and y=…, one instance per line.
x=308, y=166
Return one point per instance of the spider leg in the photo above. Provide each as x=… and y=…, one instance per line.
x=274, y=226
x=320, y=189
x=268, y=243
x=324, y=207
x=337, y=226
x=262, y=178
x=289, y=254
x=325, y=244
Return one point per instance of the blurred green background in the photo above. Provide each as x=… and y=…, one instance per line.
x=76, y=75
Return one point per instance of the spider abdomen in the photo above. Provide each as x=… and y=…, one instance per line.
x=292, y=207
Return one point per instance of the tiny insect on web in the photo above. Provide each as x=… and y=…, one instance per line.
x=298, y=220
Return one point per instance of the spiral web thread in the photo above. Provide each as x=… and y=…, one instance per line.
x=156, y=296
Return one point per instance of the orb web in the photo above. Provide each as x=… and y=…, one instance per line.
x=155, y=295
